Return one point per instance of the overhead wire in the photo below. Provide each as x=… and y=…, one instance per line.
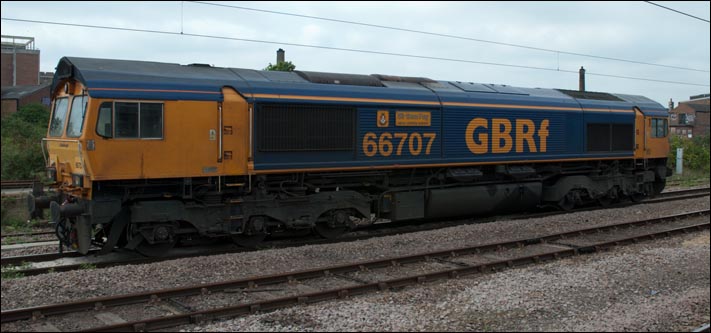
x=448, y=36
x=674, y=10
x=340, y=49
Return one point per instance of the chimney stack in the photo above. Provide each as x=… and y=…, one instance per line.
x=581, y=81
x=280, y=56
x=671, y=105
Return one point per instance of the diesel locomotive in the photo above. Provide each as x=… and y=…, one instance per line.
x=142, y=155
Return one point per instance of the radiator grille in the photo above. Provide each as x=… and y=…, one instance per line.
x=622, y=137
x=610, y=137
x=303, y=127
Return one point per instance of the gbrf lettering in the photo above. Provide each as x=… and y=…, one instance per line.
x=504, y=136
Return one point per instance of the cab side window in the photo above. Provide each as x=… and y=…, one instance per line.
x=151, y=115
x=659, y=127
x=130, y=120
x=126, y=120
x=104, y=125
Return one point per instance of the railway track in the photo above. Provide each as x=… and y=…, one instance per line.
x=28, y=237
x=377, y=230
x=357, y=278
x=16, y=184
x=28, y=234
x=703, y=328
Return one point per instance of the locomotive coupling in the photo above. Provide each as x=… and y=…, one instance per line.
x=73, y=226
x=67, y=210
x=36, y=204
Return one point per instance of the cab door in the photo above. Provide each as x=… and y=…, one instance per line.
x=235, y=133
x=657, y=141
x=640, y=138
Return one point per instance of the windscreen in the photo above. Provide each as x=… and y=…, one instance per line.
x=59, y=116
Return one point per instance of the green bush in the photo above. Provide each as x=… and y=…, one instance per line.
x=696, y=153
x=22, y=134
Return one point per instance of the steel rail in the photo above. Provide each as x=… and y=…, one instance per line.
x=101, y=302
x=15, y=184
x=273, y=304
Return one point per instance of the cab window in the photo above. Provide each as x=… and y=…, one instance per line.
x=76, y=116
x=104, y=124
x=126, y=120
x=151, y=120
x=59, y=116
x=659, y=127
x=131, y=120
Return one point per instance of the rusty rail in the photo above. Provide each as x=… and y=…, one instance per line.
x=273, y=304
x=15, y=184
x=101, y=302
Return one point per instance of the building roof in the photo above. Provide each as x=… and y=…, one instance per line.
x=698, y=107
x=17, y=92
x=700, y=96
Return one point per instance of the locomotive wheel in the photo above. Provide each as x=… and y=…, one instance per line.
x=605, y=201
x=163, y=233
x=637, y=197
x=658, y=187
x=249, y=241
x=328, y=232
x=567, y=203
x=334, y=226
x=253, y=234
x=155, y=250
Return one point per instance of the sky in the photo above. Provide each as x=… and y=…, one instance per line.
x=635, y=31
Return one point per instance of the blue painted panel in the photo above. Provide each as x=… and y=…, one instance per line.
x=407, y=144
x=300, y=160
x=554, y=134
x=344, y=91
x=609, y=117
x=154, y=91
x=600, y=104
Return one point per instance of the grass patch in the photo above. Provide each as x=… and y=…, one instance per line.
x=689, y=178
x=14, y=216
x=87, y=266
x=12, y=272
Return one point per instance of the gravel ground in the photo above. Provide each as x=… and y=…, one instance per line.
x=659, y=286
x=30, y=250
x=526, y=297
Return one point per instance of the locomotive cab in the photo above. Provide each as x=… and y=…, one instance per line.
x=93, y=159
x=652, y=145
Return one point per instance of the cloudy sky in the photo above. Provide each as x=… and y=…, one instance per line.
x=549, y=32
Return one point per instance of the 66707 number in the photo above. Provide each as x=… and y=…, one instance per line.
x=394, y=143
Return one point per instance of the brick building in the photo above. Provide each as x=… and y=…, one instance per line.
x=15, y=97
x=690, y=118
x=22, y=82
x=20, y=61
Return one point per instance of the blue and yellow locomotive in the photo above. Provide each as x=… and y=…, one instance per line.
x=143, y=154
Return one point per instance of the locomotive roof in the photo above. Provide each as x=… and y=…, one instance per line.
x=127, y=79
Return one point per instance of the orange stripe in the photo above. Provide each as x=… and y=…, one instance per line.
x=161, y=90
x=510, y=106
x=609, y=110
x=392, y=101
x=344, y=99
x=405, y=166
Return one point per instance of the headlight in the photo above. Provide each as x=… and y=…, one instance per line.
x=78, y=180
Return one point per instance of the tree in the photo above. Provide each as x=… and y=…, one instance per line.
x=22, y=134
x=284, y=66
